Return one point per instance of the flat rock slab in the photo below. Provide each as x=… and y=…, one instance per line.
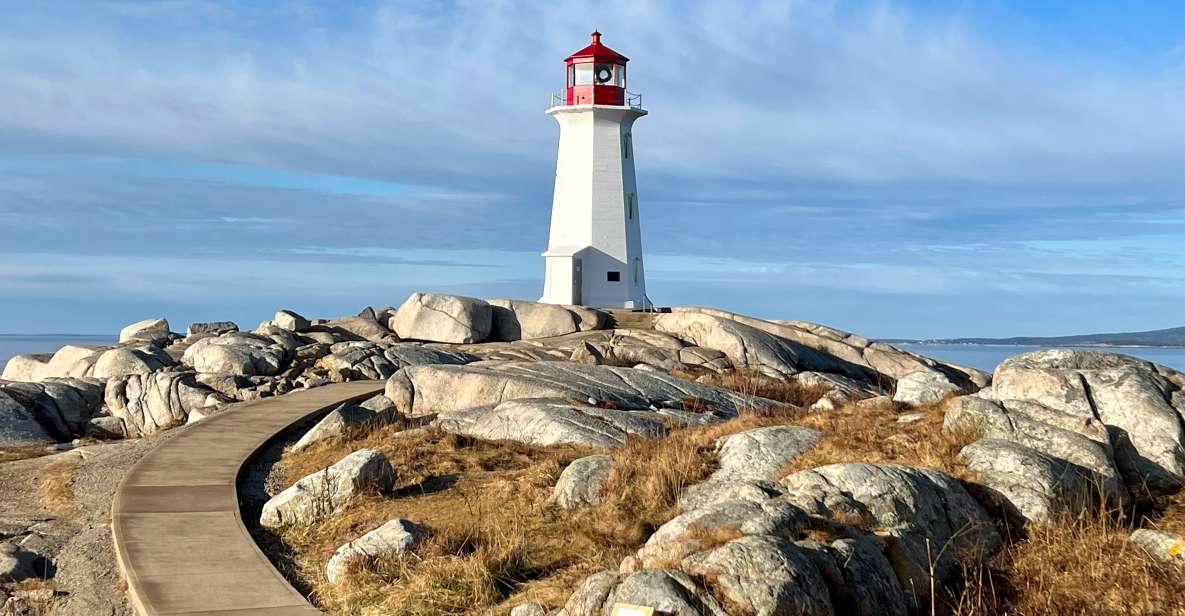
x=178, y=532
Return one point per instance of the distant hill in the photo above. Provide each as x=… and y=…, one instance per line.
x=1172, y=337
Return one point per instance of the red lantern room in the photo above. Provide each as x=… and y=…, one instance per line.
x=596, y=75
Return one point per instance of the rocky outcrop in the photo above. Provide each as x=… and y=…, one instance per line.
x=1138, y=402
x=349, y=361
x=291, y=321
x=149, y=403
x=18, y=427
x=425, y=390
x=62, y=406
x=319, y=495
x=373, y=412
x=431, y=317
x=235, y=353
x=395, y=538
x=668, y=592
x=150, y=331
x=749, y=462
x=764, y=575
x=211, y=328
x=582, y=482
x=922, y=515
x=924, y=387
x=522, y=320
x=694, y=530
x=550, y=421
x=126, y=360
x=1027, y=484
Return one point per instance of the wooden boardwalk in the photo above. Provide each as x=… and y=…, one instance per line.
x=179, y=537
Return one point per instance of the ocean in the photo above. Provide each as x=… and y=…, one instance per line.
x=986, y=357
x=44, y=343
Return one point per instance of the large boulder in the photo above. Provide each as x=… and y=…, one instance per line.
x=18, y=427
x=361, y=327
x=235, y=353
x=860, y=357
x=63, y=406
x=150, y=403
x=551, y=421
x=28, y=367
x=426, y=390
x=924, y=387
x=395, y=538
x=1082, y=445
x=927, y=518
x=1028, y=484
x=515, y=319
x=582, y=482
x=211, y=328
x=764, y=575
x=126, y=360
x=350, y=361
x=373, y=412
x=692, y=531
x=859, y=576
x=669, y=592
x=317, y=496
x=433, y=317
x=748, y=464
x=291, y=321
x=1140, y=404
x=151, y=331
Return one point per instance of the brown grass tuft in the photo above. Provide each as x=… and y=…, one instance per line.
x=752, y=383
x=54, y=490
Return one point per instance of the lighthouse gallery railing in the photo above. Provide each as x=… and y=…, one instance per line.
x=560, y=99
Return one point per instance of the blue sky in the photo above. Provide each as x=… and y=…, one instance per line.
x=893, y=168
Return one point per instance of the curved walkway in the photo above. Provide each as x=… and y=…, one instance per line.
x=178, y=533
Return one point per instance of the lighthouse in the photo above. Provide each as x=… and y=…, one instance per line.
x=594, y=254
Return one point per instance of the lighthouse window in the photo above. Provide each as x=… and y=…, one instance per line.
x=584, y=74
x=613, y=276
x=604, y=74
x=620, y=75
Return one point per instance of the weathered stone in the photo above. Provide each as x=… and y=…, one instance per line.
x=237, y=353
x=343, y=419
x=212, y=328
x=18, y=427
x=551, y=421
x=868, y=585
x=924, y=387
x=913, y=507
x=1160, y=545
x=758, y=454
x=359, y=328
x=423, y=390
x=319, y=495
x=522, y=320
x=669, y=592
x=712, y=491
x=582, y=482
x=686, y=533
x=291, y=321
x=73, y=360
x=529, y=609
x=62, y=406
x=443, y=318
x=150, y=403
x=126, y=360
x=840, y=389
x=1028, y=484
x=394, y=538
x=1130, y=396
x=29, y=367
x=106, y=427
x=148, y=330
x=764, y=575
x=1086, y=449
x=370, y=360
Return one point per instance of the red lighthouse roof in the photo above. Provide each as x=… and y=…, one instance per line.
x=598, y=52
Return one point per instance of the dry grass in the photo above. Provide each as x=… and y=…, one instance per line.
x=753, y=383
x=37, y=593
x=1075, y=565
x=872, y=434
x=54, y=489
x=496, y=539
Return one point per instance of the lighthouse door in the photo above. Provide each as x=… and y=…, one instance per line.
x=577, y=271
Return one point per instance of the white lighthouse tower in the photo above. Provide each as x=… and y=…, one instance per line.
x=594, y=256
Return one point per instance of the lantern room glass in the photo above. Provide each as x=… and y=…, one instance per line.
x=584, y=74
